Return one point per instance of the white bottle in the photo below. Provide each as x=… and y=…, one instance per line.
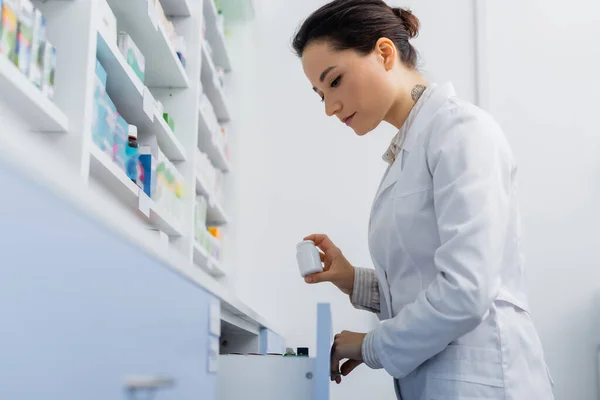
x=309, y=260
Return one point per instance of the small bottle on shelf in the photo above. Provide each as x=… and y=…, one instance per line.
x=132, y=155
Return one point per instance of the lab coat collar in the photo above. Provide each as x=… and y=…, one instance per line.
x=438, y=97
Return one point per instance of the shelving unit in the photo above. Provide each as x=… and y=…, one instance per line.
x=42, y=113
x=127, y=92
x=209, y=146
x=216, y=215
x=177, y=8
x=213, y=89
x=206, y=262
x=215, y=36
x=106, y=171
x=163, y=68
x=81, y=174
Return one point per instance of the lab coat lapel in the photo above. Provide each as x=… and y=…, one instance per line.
x=438, y=97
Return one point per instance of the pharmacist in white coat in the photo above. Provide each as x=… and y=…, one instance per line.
x=444, y=237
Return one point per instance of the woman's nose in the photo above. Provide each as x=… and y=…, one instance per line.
x=332, y=108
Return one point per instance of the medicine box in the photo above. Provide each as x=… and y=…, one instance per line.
x=104, y=119
x=25, y=36
x=9, y=28
x=120, y=143
x=101, y=73
x=36, y=69
x=49, y=70
x=133, y=55
x=149, y=163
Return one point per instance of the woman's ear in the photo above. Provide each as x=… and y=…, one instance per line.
x=386, y=50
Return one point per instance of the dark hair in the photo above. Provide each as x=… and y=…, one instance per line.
x=358, y=25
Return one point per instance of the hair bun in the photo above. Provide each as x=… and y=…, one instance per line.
x=410, y=22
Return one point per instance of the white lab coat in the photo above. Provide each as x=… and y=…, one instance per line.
x=444, y=238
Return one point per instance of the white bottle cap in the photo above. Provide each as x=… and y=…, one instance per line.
x=133, y=131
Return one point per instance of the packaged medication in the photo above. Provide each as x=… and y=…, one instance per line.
x=104, y=120
x=133, y=55
x=36, y=68
x=9, y=28
x=148, y=176
x=121, y=138
x=133, y=167
x=25, y=36
x=309, y=260
x=49, y=70
x=169, y=120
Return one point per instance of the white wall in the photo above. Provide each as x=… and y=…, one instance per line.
x=299, y=172
x=544, y=88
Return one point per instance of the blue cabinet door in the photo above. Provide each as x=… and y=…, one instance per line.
x=81, y=310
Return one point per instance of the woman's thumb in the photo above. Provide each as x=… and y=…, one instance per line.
x=319, y=277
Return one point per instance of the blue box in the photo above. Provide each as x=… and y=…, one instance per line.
x=103, y=120
x=149, y=164
x=101, y=73
x=121, y=133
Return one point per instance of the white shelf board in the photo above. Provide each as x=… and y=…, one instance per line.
x=163, y=68
x=40, y=112
x=216, y=214
x=176, y=8
x=207, y=262
x=212, y=88
x=112, y=177
x=126, y=90
x=215, y=36
x=208, y=145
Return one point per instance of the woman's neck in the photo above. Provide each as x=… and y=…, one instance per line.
x=408, y=95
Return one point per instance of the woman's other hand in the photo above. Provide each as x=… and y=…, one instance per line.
x=346, y=346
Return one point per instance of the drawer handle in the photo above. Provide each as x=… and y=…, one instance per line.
x=151, y=383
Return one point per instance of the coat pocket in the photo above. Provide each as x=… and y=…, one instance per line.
x=465, y=373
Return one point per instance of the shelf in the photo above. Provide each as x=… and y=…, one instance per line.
x=215, y=36
x=213, y=89
x=163, y=68
x=126, y=90
x=176, y=8
x=206, y=262
x=216, y=215
x=24, y=97
x=113, y=178
x=207, y=144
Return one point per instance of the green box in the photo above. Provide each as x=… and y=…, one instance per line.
x=169, y=120
x=9, y=29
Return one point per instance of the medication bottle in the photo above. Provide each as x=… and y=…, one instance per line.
x=132, y=155
x=309, y=260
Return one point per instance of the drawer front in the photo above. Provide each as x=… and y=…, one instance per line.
x=81, y=310
x=265, y=378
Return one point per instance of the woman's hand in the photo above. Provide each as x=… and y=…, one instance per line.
x=346, y=345
x=337, y=269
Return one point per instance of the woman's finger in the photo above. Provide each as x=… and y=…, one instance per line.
x=349, y=366
x=322, y=241
x=319, y=277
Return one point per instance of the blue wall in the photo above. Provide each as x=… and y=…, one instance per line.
x=81, y=309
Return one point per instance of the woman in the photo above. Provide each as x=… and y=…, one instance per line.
x=444, y=228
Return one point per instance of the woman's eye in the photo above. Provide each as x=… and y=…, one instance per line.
x=322, y=99
x=336, y=82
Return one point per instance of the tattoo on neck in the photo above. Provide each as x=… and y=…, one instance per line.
x=417, y=91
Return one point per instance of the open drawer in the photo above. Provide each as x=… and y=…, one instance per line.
x=269, y=377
